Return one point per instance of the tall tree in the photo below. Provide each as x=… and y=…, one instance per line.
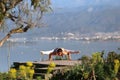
x=22, y=14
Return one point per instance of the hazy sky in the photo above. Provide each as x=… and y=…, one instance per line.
x=77, y=3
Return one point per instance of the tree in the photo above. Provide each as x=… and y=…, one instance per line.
x=22, y=14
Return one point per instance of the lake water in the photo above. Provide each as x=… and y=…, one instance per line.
x=30, y=51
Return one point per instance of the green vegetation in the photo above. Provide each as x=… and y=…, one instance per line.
x=23, y=73
x=51, y=67
x=96, y=67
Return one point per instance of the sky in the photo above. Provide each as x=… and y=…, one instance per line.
x=78, y=3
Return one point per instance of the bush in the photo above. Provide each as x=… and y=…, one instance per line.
x=23, y=73
x=95, y=67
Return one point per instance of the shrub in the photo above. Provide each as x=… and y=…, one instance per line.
x=95, y=67
x=23, y=73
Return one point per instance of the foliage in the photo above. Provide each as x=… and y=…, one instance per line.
x=16, y=9
x=23, y=73
x=4, y=76
x=38, y=78
x=51, y=67
x=21, y=15
x=112, y=55
x=96, y=67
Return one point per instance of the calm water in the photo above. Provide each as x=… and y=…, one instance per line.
x=30, y=51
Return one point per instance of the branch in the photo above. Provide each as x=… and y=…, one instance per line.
x=12, y=4
x=14, y=31
x=4, y=39
x=17, y=30
x=6, y=5
x=2, y=7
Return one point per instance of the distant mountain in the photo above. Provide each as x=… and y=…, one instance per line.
x=89, y=19
x=86, y=17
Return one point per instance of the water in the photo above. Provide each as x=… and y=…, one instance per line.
x=86, y=27
x=30, y=51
